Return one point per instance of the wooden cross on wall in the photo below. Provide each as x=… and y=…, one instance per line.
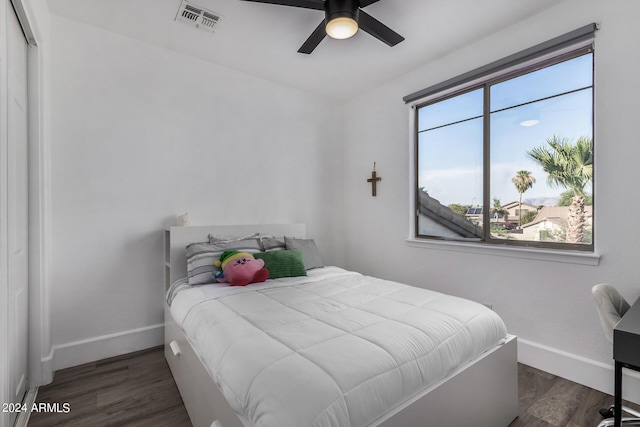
x=374, y=180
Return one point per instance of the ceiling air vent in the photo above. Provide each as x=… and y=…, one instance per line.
x=197, y=16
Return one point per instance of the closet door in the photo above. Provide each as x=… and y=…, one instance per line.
x=17, y=208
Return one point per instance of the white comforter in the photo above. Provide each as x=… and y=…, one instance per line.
x=332, y=349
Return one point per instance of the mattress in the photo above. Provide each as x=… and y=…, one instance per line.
x=334, y=348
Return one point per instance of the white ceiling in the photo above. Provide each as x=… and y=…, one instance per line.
x=263, y=39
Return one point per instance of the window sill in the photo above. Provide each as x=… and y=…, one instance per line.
x=569, y=257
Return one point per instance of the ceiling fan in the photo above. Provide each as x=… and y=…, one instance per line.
x=342, y=20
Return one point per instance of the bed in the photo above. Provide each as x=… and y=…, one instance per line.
x=331, y=348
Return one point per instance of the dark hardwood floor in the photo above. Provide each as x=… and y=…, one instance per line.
x=547, y=400
x=137, y=390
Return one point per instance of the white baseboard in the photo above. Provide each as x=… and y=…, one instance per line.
x=46, y=371
x=578, y=369
x=89, y=350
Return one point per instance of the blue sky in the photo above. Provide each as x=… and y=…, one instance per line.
x=450, y=157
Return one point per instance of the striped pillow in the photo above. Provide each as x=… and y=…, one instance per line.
x=202, y=256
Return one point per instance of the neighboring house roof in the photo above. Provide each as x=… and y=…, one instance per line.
x=556, y=214
x=513, y=205
x=441, y=214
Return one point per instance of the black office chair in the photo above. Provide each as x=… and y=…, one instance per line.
x=611, y=307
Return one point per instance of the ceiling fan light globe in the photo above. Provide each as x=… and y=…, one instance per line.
x=341, y=28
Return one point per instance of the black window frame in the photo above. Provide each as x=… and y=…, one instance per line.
x=486, y=84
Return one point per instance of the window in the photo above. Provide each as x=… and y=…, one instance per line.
x=510, y=160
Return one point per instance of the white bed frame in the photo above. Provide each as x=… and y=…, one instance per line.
x=482, y=393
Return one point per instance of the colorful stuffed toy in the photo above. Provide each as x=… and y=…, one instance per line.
x=240, y=268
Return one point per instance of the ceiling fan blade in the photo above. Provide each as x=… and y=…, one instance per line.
x=307, y=4
x=365, y=3
x=378, y=30
x=314, y=39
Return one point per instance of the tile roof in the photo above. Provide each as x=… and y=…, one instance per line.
x=441, y=214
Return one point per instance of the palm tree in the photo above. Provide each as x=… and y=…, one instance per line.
x=498, y=210
x=523, y=181
x=571, y=167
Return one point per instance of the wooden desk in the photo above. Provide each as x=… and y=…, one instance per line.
x=626, y=352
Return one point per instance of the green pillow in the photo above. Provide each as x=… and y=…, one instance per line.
x=285, y=263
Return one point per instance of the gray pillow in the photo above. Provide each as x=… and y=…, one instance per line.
x=309, y=250
x=272, y=244
x=217, y=238
x=202, y=256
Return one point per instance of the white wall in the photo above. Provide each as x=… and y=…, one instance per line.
x=140, y=134
x=40, y=345
x=547, y=304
